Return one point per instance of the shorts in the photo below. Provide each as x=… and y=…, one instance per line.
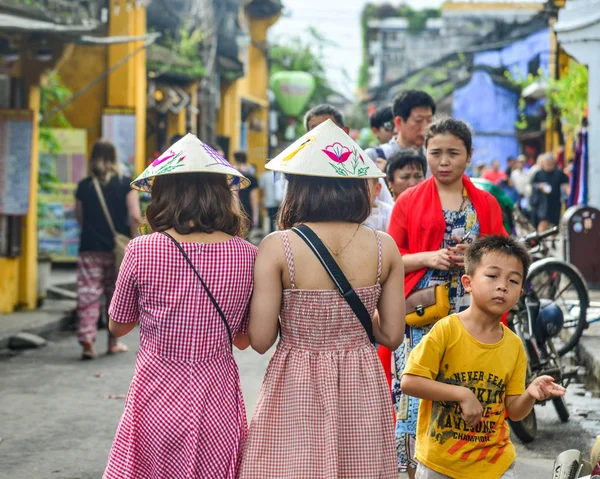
x=405, y=449
x=423, y=472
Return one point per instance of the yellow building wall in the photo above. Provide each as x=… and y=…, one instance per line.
x=127, y=86
x=18, y=276
x=85, y=64
x=9, y=279
x=253, y=86
x=230, y=115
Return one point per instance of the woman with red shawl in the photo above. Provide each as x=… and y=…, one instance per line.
x=433, y=224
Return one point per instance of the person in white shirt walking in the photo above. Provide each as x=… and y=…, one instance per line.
x=272, y=195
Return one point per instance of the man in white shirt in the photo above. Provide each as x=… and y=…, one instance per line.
x=413, y=111
x=272, y=195
x=379, y=218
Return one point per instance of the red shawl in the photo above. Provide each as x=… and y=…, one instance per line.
x=417, y=225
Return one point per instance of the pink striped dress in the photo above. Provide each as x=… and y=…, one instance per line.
x=324, y=410
x=184, y=415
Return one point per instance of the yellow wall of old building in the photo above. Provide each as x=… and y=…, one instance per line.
x=230, y=115
x=9, y=279
x=18, y=276
x=253, y=87
x=29, y=242
x=85, y=64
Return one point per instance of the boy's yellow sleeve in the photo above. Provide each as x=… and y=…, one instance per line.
x=516, y=384
x=425, y=359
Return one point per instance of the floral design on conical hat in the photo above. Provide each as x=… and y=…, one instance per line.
x=189, y=155
x=325, y=151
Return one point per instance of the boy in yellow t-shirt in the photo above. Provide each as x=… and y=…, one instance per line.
x=470, y=369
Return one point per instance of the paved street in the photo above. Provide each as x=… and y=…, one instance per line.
x=57, y=421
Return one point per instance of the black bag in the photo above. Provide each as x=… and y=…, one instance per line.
x=212, y=299
x=342, y=284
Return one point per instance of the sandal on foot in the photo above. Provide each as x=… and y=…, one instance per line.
x=117, y=348
x=88, y=351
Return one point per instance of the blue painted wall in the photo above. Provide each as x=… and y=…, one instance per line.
x=516, y=56
x=492, y=110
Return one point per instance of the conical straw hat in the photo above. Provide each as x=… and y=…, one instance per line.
x=189, y=155
x=325, y=151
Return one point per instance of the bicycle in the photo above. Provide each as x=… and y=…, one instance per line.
x=549, y=279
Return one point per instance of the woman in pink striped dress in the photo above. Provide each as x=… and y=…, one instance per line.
x=184, y=415
x=324, y=410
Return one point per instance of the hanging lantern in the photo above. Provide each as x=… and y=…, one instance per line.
x=292, y=90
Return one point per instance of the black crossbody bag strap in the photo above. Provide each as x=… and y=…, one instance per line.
x=212, y=298
x=342, y=284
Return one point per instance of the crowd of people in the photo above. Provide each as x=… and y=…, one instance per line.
x=362, y=383
x=539, y=189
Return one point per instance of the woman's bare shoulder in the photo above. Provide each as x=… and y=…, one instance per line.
x=271, y=242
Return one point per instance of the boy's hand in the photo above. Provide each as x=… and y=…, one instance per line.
x=544, y=387
x=472, y=410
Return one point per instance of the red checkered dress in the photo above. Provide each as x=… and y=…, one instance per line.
x=184, y=416
x=324, y=407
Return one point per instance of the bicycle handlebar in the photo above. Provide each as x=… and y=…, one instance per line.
x=535, y=237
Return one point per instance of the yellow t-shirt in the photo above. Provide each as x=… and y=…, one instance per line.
x=445, y=443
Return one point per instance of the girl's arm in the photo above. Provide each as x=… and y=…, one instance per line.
x=266, y=299
x=241, y=341
x=255, y=203
x=120, y=329
x=389, y=324
x=134, y=212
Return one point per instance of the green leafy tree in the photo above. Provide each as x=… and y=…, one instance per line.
x=52, y=94
x=566, y=97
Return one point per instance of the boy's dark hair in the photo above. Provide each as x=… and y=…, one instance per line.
x=381, y=117
x=447, y=125
x=402, y=158
x=506, y=245
x=240, y=157
x=317, y=199
x=195, y=202
x=409, y=99
x=324, y=109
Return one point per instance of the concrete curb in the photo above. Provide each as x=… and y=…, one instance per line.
x=56, y=317
x=589, y=354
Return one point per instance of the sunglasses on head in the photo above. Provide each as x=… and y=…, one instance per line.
x=388, y=126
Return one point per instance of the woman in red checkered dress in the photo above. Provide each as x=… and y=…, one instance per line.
x=324, y=409
x=184, y=415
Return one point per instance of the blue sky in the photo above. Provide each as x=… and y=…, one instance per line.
x=338, y=20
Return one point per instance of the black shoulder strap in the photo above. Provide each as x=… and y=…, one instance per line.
x=336, y=274
x=213, y=300
x=380, y=152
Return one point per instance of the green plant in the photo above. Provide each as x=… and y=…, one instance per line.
x=52, y=93
x=566, y=97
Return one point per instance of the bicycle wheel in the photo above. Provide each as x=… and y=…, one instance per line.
x=526, y=428
x=561, y=408
x=561, y=282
